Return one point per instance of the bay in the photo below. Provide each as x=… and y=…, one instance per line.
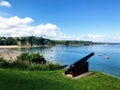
x=106, y=58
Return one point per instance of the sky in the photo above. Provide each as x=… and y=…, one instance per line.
x=91, y=20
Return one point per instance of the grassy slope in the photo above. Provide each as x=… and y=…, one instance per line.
x=54, y=80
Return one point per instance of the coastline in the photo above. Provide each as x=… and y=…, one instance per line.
x=17, y=46
x=8, y=54
x=10, y=46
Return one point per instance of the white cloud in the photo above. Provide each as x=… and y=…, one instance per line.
x=100, y=38
x=95, y=37
x=15, y=26
x=5, y=3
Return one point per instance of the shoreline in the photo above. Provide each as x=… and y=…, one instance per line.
x=10, y=46
x=28, y=46
x=17, y=46
x=8, y=54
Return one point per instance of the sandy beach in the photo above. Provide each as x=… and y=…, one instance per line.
x=9, y=54
x=9, y=46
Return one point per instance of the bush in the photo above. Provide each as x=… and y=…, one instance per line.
x=16, y=64
x=33, y=61
x=32, y=58
x=19, y=65
x=23, y=57
x=36, y=58
x=1, y=61
x=5, y=64
x=54, y=66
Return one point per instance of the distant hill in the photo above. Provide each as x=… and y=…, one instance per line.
x=32, y=40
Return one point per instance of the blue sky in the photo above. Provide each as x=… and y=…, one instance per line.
x=95, y=20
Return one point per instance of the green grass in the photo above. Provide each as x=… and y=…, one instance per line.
x=54, y=80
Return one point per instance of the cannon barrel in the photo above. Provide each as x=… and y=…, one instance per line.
x=84, y=59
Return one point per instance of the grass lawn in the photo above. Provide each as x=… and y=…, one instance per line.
x=54, y=80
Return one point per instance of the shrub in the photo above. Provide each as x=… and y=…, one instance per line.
x=23, y=57
x=16, y=64
x=19, y=65
x=33, y=61
x=54, y=66
x=5, y=64
x=36, y=58
x=1, y=61
x=33, y=57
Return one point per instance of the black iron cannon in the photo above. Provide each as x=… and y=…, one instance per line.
x=79, y=67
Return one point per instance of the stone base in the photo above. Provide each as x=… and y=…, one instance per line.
x=80, y=76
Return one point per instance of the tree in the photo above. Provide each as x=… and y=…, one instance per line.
x=67, y=42
x=42, y=41
x=2, y=40
x=11, y=41
x=23, y=40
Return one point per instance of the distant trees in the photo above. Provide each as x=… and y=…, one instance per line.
x=32, y=40
x=8, y=41
x=39, y=41
x=11, y=41
x=72, y=42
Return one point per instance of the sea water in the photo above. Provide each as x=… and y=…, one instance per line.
x=106, y=58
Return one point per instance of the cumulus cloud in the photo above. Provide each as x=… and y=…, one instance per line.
x=100, y=38
x=96, y=37
x=16, y=27
x=5, y=3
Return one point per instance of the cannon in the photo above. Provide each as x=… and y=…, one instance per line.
x=79, y=67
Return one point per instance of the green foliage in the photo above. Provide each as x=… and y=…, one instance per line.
x=38, y=67
x=32, y=40
x=5, y=64
x=33, y=57
x=8, y=41
x=44, y=67
x=39, y=41
x=23, y=57
x=23, y=40
x=19, y=65
x=55, y=66
x=32, y=61
x=14, y=65
x=36, y=58
x=72, y=42
x=1, y=61
x=11, y=41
